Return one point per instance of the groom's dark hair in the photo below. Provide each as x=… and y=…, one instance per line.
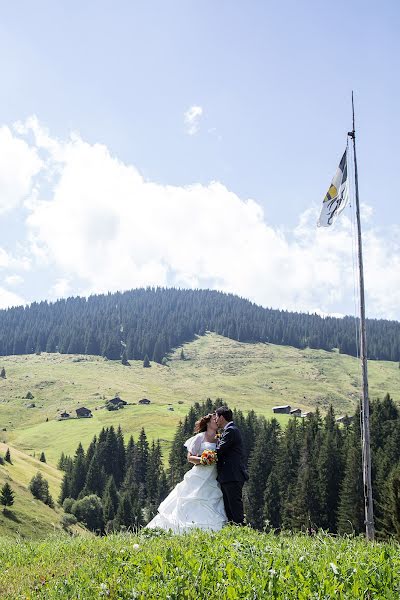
x=224, y=411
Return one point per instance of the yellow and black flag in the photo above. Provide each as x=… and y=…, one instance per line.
x=337, y=196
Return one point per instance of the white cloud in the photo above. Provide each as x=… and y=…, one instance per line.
x=192, y=119
x=8, y=299
x=107, y=227
x=18, y=165
x=14, y=280
x=60, y=289
x=7, y=261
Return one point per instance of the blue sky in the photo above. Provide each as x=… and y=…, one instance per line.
x=104, y=185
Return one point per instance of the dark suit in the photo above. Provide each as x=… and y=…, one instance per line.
x=231, y=472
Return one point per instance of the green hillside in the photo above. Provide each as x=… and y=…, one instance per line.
x=245, y=376
x=28, y=517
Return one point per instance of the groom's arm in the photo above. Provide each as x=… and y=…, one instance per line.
x=227, y=441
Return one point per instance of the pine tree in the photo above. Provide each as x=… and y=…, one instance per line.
x=351, y=510
x=306, y=502
x=7, y=456
x=141, y=461
x=3, y=373
x=272, y=501
x=124, y=516
x=42, y=457
x=177, y=464
x=391, y=514
x=260, y=465
x=330, y=470
x=146, y=362
x=78, y=475
x=182, y=355
x=121, y=454
x=155, y=478
x=95, y=478
x=6, y=496
x=110, y=500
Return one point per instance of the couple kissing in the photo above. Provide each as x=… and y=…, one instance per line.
x=210, y=494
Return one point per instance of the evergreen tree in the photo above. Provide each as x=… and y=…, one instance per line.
x=177, y=464
x=130, y=453
x=391, y=516
x=146, y=362
x=3, y=373
x=330, y=472
x=42, y=457
x=351, y=508
x=121, y=453
x=7, y=456
x=182, y=355
x=306, y=501
x=6, y=496
x=61, y=462
x=260, y=465
x=141, y=461
x=78, y=475
x=66, y=484
x=95, y=478
x=39, y=487
x=155, y=478
x=287, y=467
x=272, y=500
x=110, y=500
x=125, y=517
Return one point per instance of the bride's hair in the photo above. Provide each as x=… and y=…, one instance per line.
x=201, y=424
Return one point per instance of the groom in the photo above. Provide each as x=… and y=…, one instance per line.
x=230, y=465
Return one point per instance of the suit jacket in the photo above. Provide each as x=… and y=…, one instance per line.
x=230, y=464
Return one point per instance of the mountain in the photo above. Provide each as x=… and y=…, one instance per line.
x=151, y=322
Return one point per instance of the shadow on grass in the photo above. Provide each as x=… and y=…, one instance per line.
x=10, y=515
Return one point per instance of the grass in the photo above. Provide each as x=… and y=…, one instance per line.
x=231, y=564
x=28, y=517
x=246, y=376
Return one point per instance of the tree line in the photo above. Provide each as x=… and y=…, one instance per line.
x=305, y=476
x=113, y=485
x=151, y=322
x=308, y=475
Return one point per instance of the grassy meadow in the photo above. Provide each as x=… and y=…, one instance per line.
x=28, y=517
x=231, y=564
x=246, y=376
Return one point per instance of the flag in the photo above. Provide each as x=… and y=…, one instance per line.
x=337, y=196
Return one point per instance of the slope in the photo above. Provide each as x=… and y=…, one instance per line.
x=243, y=375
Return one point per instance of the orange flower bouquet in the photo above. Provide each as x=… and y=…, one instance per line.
x=208, y=457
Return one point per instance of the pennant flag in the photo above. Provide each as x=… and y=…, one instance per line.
x=337, y=195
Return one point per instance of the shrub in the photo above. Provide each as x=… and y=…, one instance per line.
x=68, y=504
x=67, y=520
x=89, y=510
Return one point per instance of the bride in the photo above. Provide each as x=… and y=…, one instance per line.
x=195, y=502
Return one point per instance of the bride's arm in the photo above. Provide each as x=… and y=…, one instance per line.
x=192, y=458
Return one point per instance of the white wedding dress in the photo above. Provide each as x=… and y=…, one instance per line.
x=195, y=502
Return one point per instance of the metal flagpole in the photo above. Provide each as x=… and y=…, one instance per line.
x=366, y=447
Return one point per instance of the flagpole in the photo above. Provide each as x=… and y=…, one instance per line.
x=366, y=446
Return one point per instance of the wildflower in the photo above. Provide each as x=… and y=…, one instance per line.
x=135, y=547
x=334, y=568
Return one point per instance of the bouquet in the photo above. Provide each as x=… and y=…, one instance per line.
x=208, y=457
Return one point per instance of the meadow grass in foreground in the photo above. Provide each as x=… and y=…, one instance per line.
x=234, y=563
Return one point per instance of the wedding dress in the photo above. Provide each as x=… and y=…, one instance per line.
x=195, y=502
